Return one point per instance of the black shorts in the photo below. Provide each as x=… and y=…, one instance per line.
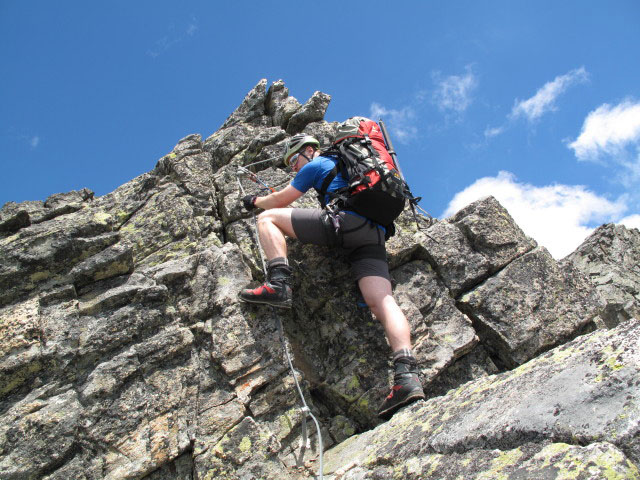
x=360, y=239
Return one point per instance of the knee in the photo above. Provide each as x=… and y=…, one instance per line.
x=381, y=303
x=374, y=302
x=266, y=217
x=376, y=291
x=272, y=218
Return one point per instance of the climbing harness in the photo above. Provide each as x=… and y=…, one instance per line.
x=306, y=412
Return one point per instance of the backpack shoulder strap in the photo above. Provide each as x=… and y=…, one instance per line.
x=337, y=169
x=325, y=185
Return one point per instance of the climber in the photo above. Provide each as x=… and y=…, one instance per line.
x=363, y=242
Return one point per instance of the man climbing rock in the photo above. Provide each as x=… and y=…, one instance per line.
x=362, y=240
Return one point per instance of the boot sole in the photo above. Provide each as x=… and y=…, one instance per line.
x=285, y=305
x=388, y=413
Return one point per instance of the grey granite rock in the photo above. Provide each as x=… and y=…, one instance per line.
x=38, y=433
x=473, y=244
x=527, y=423
x=13, y=218
x=610, y=258
x=279, y=105
x=124, y=352
x=530, y=306
x=252, y=107
x=312, y=111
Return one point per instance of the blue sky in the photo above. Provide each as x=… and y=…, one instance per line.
x=537, y=103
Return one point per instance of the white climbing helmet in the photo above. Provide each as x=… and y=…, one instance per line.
x=297, y=143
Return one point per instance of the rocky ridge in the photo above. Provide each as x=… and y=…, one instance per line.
x=125, y=354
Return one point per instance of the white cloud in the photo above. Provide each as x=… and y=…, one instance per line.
x=556, y=216
x=453, y=93
x=401, y=123
x=608, y=130
x=34, y=141
x=544, y=99
x=632, y=221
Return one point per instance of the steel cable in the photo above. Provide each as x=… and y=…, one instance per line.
x=304, y=409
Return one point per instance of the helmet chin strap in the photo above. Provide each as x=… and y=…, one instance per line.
x=305, y=157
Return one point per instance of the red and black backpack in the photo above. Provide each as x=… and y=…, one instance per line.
x=376, y=189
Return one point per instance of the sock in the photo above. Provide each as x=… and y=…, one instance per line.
x=404, y=366
x=277, y=261
x=404, y=354
x=278, y=271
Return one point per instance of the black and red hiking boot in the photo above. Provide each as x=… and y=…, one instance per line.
x=406, y=389
x=276, y=291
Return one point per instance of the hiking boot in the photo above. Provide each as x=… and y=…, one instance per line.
x=276, y=291
x=406, y=389
x=270, y=293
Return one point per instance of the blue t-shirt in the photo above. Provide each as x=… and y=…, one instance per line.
x=314, y=173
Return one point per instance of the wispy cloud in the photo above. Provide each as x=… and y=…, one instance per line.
x=544, y=99
x=22, y=138
x=401, y=122
x=490, y=132
x=33, y=141
x=192, y=28
x=542, y=102
x=556, y=216
x=174, y=36
x=454, y=93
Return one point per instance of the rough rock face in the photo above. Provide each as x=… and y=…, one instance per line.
x=541, y=420
x=514, y=307
x=124, y=352
x=610, y=258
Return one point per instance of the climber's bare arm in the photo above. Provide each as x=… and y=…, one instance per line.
x=280, y=199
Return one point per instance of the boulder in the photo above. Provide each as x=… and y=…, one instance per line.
x=473, y=244
x=279, y=105
x=312, y=111
x=252, y=108
x=534, y=422
x=517, y=316
x=13, y=218
x=610, y=259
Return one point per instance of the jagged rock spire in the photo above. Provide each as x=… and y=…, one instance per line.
x=276, y=108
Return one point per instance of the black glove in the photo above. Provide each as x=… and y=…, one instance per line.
x=249, y=202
